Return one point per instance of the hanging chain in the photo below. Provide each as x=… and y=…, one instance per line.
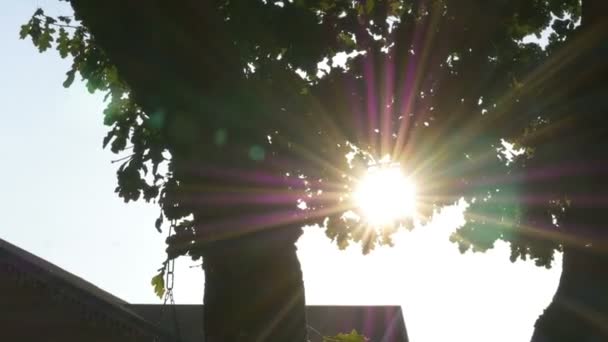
x=169, y=282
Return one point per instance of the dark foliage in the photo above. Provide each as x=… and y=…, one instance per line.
x=439, y=76
x=206, y=100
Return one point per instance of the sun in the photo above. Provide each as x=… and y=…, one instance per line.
x=385, y=195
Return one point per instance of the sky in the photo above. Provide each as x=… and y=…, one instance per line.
x=57, y=201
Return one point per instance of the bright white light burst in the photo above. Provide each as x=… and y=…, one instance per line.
x=384, y=195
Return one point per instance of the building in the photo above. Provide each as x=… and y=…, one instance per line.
x=42, y=302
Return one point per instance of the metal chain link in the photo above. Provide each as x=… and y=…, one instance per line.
x=169, y=283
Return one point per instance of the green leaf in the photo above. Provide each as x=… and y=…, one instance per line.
x=342, y=241
x=35, y=30
x=46, y=38
x=346, y=39
x=353, y=336
x=107, y=138
x=77, y=43
x=63, y=43
x=158, y=223
x=158, y=283
x=70, y=79
x=64, y=19
x=25, y=30
x=111, y=75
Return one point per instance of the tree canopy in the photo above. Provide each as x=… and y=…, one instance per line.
x=267, y=97
x=242, y=117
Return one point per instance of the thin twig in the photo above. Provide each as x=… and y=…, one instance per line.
x=123, y=158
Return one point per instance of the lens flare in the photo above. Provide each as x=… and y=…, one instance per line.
x=385, y=195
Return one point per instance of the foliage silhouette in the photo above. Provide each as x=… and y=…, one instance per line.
x=219, y=120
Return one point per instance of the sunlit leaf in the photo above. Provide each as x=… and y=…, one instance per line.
x=353, y=336
x=158, y=284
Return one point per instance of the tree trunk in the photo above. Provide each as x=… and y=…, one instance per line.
x=579, y=311
x=254, y=289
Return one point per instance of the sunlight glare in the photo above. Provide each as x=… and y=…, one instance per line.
x=384, y=195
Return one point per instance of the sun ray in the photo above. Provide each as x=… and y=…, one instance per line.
x=384, y=195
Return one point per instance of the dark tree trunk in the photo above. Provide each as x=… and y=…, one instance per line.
x=254, y=289
x=579, y=311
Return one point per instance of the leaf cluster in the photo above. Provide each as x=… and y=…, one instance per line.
x=446, y=77
x=353, y=336
x=130, y=129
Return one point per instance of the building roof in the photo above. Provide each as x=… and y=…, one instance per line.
x=378, y=323
x=17, y=266
x=183, y=323
x=51, y=272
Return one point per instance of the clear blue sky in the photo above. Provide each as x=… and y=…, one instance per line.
x=57, y=201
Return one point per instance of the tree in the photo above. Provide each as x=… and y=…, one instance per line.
x=228, y=95
x=554, y=194
x=576, y=116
